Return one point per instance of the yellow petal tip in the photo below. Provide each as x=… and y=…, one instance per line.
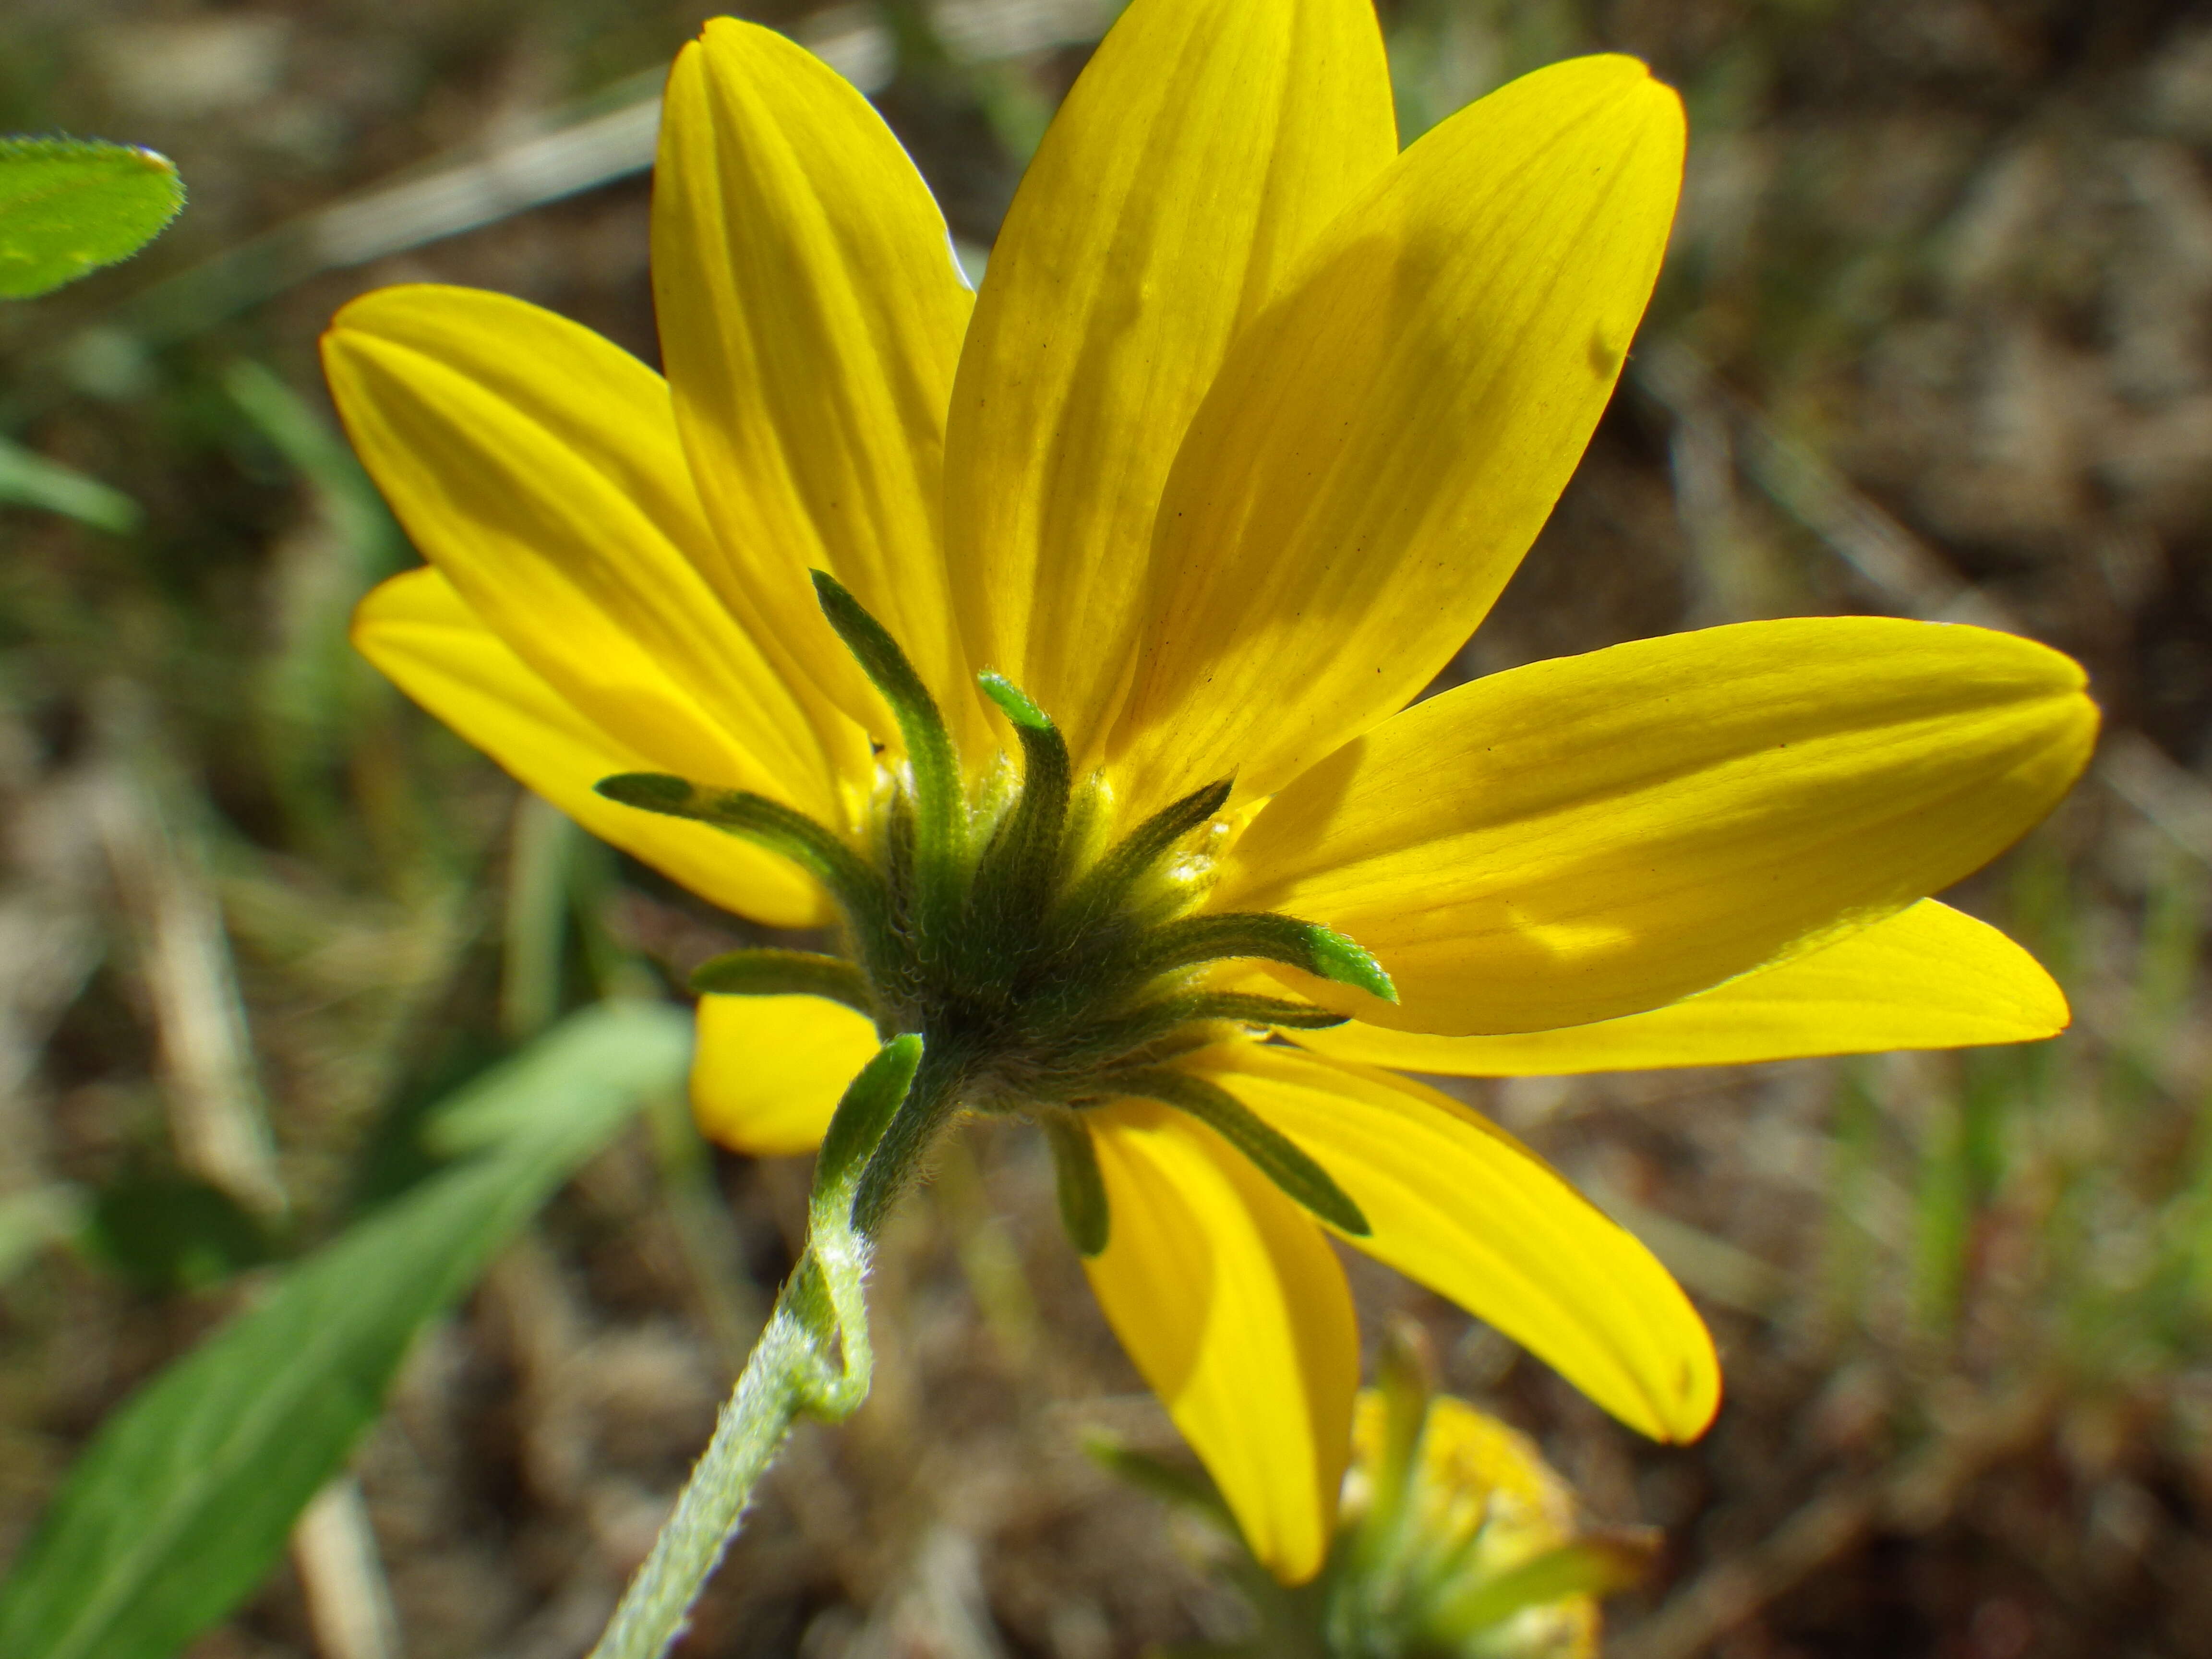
x=1680, y=1408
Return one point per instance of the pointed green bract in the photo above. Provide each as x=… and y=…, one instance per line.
x=1108, y=885
x=1341, y=958
x=1594, y=1566
x=941, y=813
x=1013, y=702
x=69, y=206
x=1248, y=1010
x=1019, y=869
x=1274, y=1155
x=1044, y=979
x=784, y=973
x=1270, y=938
x=772, y=824
x=1079, y=1186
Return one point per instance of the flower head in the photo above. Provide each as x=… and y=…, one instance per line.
x=1056, y=644
x=1455, y=1540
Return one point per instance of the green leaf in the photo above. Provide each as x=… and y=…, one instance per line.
x=32, y=1220
x=70, y=205
x=29, y=479
x=185, y=1497
x=168, y=1232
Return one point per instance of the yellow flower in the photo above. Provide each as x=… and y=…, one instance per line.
x=1479, y=1510
x=1456, y=1541
x=1251, y=421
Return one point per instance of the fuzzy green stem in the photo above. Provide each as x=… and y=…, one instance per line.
x=814, y=1358
x=759, y=1413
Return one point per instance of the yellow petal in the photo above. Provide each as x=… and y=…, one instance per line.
x=811, y=314
x=1461, y=1206
x=1926, y=978
x=1383, y=443
x=1204, y=145
x=418, y=630
x=1232, y=1307
x=536, y=465
x=768, y=1072
x=1597, y=836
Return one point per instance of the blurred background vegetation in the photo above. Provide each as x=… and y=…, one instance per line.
x=1935, y=339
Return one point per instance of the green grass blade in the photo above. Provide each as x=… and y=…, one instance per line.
x=70, y=205
x=29, y=479
x=184, y=1500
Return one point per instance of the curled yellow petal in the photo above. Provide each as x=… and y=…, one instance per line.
x=1203, y=146
x=811, y=314
x=768, y=1072
x=1232, y=1307
x=1598, y=836
x=1384, y=442
x=536, y=465
x=418, y=631
x=1461, y=1206
x=1927, y=977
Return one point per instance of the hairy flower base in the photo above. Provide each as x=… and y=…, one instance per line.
x=1047, y=966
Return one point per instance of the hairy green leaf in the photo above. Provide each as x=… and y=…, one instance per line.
x=70, y=205
x=186, y=1496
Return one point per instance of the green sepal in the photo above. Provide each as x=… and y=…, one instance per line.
x=1343, y=959
x=1596, y=1565
x=1269, y=1150
x=940, y=810
x=1185, y=1487
x=1268, y=938
x=769, y=823
x=1101, y=892
x=1247, y=1010
x=1080, y=1187
x=1020, y=868
x=1405, y=1377
x=784, y=973
x=1014, y=704
x=1152, y=1022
